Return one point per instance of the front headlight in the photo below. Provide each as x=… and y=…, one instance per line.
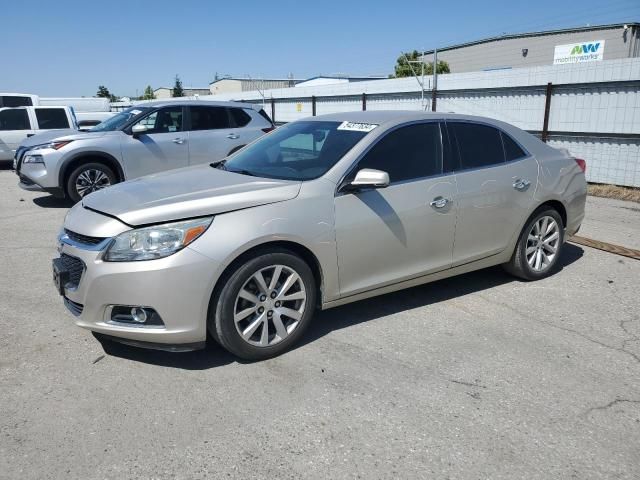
x=33, y=159
x=154, y=242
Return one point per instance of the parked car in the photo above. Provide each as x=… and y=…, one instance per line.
x=141, y=140
x=321, y=212
x=17, y=124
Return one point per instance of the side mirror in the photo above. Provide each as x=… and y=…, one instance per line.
x=138, y=130
x=368, y=178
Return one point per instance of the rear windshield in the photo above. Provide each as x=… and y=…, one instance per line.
x=297, y=151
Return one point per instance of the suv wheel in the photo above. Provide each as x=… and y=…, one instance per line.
x=88, y=178
x=264, y=306
x=539, y=246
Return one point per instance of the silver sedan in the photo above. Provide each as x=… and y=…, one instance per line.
x=319, y=213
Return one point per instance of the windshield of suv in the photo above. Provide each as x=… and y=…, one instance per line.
x=297, y=151
x=117, y=121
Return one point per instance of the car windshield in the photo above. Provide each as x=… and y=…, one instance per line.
x=119, y=120
x=297, y=151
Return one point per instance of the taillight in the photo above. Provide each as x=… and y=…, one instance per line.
x=268, y=129
x=582, y=164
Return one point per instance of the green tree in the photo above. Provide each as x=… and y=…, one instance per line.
x=177, y=91
x=103, y=92
x=403, y=68
x=148, y=93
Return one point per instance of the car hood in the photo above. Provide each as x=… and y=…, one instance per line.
x=44, y=137
x=186, y=193
x=66, y=134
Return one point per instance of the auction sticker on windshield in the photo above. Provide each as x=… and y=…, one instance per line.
x=357, y=127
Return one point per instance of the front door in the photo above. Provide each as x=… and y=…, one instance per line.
x=164, y=146
x=402, y=231
x=496, y=181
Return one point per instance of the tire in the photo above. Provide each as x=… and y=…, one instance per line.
x=526, y=263
x=98, y=173
x=295, y=290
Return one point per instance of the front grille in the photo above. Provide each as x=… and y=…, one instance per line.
x=77, y=237
x=75, y=308
x=75, y=266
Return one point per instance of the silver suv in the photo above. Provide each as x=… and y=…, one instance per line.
x=139, y=141
x=319, y=213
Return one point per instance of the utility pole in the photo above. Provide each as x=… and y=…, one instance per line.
x=420, y=80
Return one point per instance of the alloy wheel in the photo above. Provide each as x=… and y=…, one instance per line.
x=542, y=243
x=270, y=305
x=91, y=180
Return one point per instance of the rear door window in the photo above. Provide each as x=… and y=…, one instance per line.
x=209, y=118
x=239, y=117
x=14, y=119
x=52, y=118
x=15, y=101
x=478, y=145
x=512, y=151
x=408, y=153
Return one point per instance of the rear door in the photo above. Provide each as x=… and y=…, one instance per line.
x=164, y=146
x=52, y=118
x=211, y=136
x=494, y=195
x=15, y=126
x=396, y=233
x=248, y=125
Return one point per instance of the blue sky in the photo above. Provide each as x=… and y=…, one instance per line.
x=68, y=48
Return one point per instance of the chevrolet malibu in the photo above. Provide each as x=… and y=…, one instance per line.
x=319, y=213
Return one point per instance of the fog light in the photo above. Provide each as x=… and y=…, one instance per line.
x=138, y=315
x=135, y=315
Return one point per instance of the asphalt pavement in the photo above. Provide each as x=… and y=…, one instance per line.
x=474, y=377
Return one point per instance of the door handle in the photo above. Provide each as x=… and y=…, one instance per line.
x=439, y=202
x=178, y=140
x=233, y=136
x=521, y=184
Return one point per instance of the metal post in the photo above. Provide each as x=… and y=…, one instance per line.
x=364, y=102
x=547, y=110
x=435, y=80
x=422, y=89
x=273, y=110
x=313, y=105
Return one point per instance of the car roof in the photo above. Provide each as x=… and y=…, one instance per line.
x=206, y=103
x=382, y=117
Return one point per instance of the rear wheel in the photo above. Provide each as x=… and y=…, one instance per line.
x=264, y=306
x=88, y=178
x=539, y=246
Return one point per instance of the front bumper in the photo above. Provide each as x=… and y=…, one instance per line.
x=178, y=287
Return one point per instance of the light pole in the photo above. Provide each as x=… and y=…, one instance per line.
x=419, y=80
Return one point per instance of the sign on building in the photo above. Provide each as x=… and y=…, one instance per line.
x=579, y=52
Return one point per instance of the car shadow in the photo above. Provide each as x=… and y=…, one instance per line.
x=342, y=317
x=49, y=201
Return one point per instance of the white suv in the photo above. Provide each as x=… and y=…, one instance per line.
x=139, y=141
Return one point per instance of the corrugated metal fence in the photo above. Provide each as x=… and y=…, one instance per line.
x=593, y=109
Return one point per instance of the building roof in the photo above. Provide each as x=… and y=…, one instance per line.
x=245, y=79
x=535, y=34
x=183, y=88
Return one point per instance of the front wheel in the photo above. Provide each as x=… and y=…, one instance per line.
x=539, y=246
x=88, y=178
x=264, y=306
